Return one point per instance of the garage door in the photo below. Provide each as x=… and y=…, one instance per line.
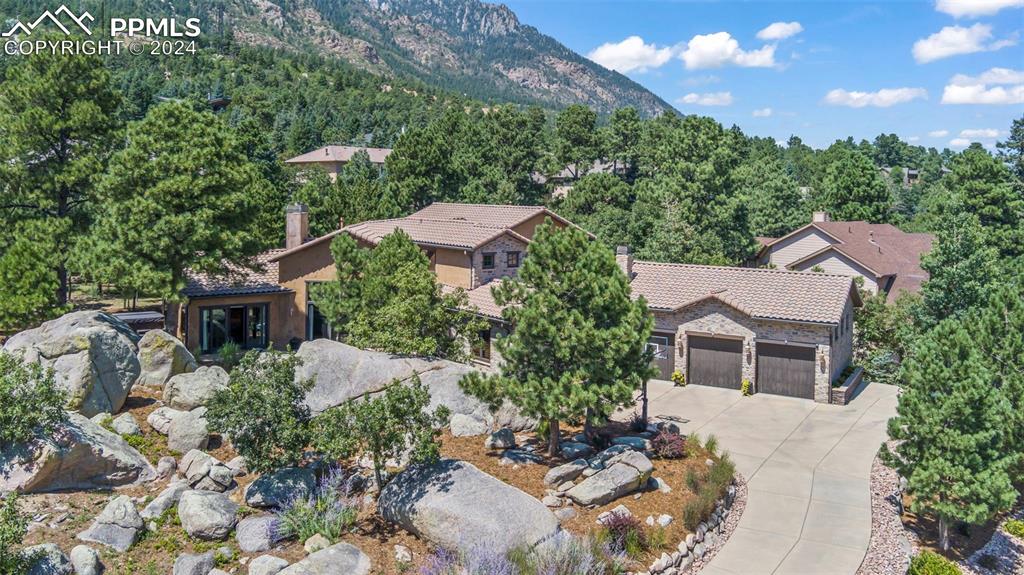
x=785, y=370
x=715, y=361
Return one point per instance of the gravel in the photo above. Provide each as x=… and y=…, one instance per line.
x=888, y=550
x=1005, y=550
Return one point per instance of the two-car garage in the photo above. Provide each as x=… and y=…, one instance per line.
x=782, y=369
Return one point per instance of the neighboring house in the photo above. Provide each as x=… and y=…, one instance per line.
x=332, y=158
x=788, y=333
x=911, y=176
x=885, y=257
x=468, y=245
x=564, y=180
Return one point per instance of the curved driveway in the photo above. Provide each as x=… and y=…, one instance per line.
x=808, y=470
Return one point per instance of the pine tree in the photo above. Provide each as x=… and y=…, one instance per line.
x=951, y=432
x=960, y=268
x=1011, y=151
x=851, y=187
x=181, y=196
x=577, y=346
x=58, y=120
x=776, y=205
x=577, y=144
x=985, y=188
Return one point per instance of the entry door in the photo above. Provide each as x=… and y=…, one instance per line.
x=715, y=361
x=785, y=370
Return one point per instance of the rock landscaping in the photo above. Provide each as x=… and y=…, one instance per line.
x=187, y=391
x=161, y=357
x=118, y=526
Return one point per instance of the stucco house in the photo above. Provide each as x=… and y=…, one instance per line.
x=786, y=332
x=886, y=258
x=332, y=158
x=468, y=245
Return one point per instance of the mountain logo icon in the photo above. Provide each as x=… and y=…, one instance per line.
x=55, y=18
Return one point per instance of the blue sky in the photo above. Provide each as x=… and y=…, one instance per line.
x=939, y=73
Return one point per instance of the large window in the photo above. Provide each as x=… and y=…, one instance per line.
x=247, y=325
x=482, y=347
x=317, y=326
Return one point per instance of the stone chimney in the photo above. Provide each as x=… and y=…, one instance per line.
x=820, y=217
x=624, y=257
x=296, y=229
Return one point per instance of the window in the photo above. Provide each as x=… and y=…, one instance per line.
x=482, y=347
x=317, y=326
x=489, y=261
x=247, y=325
x=513, y=259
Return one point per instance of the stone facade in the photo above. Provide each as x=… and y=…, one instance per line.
x=500, y=248
x=715, y=318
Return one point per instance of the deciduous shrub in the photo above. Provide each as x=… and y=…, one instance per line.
x=262, y=410
x=1015, y=527
x=31, y=402
x=668, y=445
x=929, y=563
x=624, y=533
x=13, y=527
x=329, y=510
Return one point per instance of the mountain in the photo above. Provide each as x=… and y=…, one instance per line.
x=478, y=49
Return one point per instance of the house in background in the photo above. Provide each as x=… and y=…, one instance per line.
x=885, y=257
x=469, y=246
x=332, y=158
x=787, y=333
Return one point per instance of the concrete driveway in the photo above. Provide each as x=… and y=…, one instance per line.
x=808, y=470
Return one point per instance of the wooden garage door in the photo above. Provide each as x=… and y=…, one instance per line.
x=715, y=361
x=785, y=370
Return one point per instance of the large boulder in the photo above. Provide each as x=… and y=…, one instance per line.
x=455, y=505
x=189, y=431
x=80, y=454
x=623, y=474
x=277, y=488
x=189, y=564
x=92, y=354
x=168, y=498
x=339, y=559
x=207, y=515
x=161, y=419
x=118, y=525
x=187, y=391
x=342, y=372
x=255, y=534
x=48, y=559
x=266, y=565
x=161, y=357
x=86, y=561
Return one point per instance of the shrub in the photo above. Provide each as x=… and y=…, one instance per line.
x=929, y=563
x=746, y=389
x=637, y=423
x=566, y=554
x=262, y=411
x=390, y=425
x=1015, y=527
x=678, y=378
x=13, y=527
x=229, y=355
x=693, y=480
x=693, y=512
x=32, y=402
x=668, y=445
x=329, y=510
x=624, y=533
x=721, y=475
x=711, y=445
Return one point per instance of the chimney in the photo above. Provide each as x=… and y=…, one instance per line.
x=624, y=257
x=296, y=229
x=820, y=217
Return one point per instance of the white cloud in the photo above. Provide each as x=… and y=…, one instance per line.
x=707, y=99
x=959, y=142
x=986, y=133
x=953, y=40
x=881, y=99
x=994, y=86
x=974, y=8
x=780, y=30
x=721, y=49
x=763, y=113
x=630, y=55
x=938, y=133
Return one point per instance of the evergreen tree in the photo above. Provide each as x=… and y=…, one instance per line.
x=624, y=133
x=577, y=346
x=324, y=200
x=985, y=188
x=960, y=268
x=776, y=205
x=58, y=126
x=851, y=186
x=599, y=203
x=28, y=283
x=1011, y=150
x=951, y=432
x=181, y=196
x=388, y=299
x=576, y=141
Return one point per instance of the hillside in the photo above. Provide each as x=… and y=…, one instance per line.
x=481, y=50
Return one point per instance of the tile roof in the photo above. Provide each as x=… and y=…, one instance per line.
x=760, y=293
x=237, y=280
x=484, y=214
x=433, y=232
x=339, y=154
x=481, y=299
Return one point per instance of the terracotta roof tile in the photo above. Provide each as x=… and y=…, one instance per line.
x=237, y=280
x=481, y=299
x=451, y=233
x=760, y=293
x=339, y=154
x=484, y=214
